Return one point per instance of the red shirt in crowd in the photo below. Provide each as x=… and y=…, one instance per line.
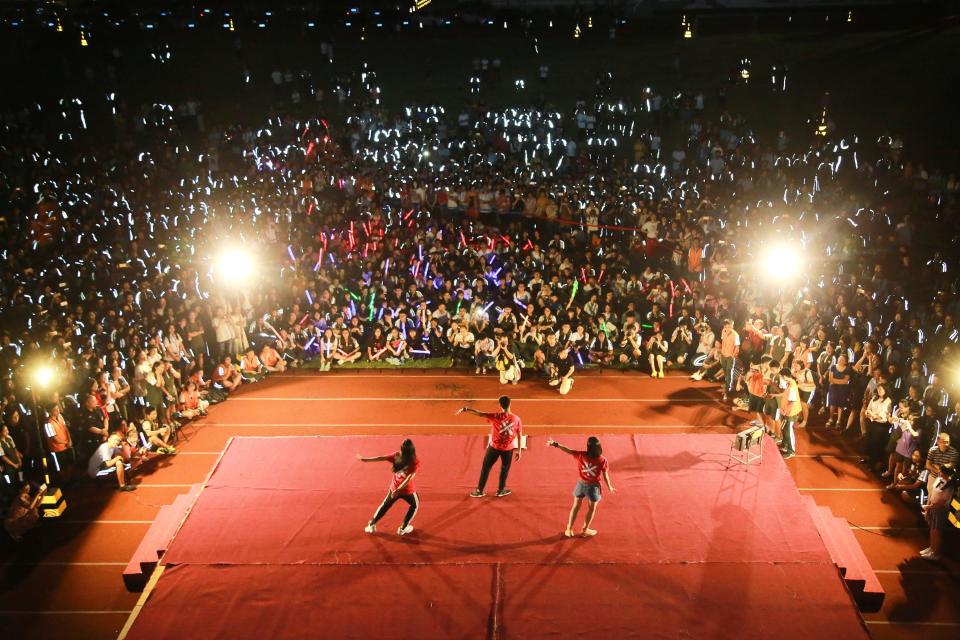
x=505, y=428
x=591, y=469
x=400, y=476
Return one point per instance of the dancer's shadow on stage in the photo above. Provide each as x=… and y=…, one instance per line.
x=428, y=541
x=666, y=464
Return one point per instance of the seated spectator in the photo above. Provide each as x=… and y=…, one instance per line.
x=192, y=405
x=506, y=361
x=24, y=512
x=251, y=369
x=601, y=350
x=377, y=346
x=910, y=482
x=272, y=360
x=483, y=354
x=657, y=349
x=108, y=460
x=397, y=348
x=158, y=438
x=226, y=375
x=348, y=349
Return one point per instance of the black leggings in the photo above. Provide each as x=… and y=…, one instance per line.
x=489, y=458
x=411, y=499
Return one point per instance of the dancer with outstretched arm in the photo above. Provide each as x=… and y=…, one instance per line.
x=592, y=466
x=405, y=466
x=505, y=440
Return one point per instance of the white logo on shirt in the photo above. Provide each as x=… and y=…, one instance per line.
x=505, y=427
x=589, y=469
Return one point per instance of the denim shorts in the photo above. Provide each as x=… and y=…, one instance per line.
x=587, y=490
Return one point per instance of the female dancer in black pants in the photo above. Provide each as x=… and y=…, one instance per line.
x=405, y=467
x=505, y=437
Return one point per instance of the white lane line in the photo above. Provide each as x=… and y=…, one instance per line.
x=826, y=455
x=67, y=612
x=910, y=572
x=461, y=425
x=839, y=489
x=913, y=624
x=198, y=453
x=635, y=375
x=47, y=563
x=103, y=521
x=155, y=486
x=448, y=399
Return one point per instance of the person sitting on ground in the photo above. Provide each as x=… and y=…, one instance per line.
x=24, y=512
x=483, y=356
x=158, y=438
x=397, y=348
x=377, y=345
x=348, y=349
x=272, y=360
x=601, y=349
x=108, y=460
x=192, y=404
x=251, y=369
x=630, y=347
x=657, y=349
x=507, y=362
x=910, y=482
x=592, y=465
x=226, y=375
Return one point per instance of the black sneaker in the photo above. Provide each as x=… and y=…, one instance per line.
x=503, y=492
x=476, y=494
x=127, y=487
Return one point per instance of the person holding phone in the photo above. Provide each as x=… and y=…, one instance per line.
x=24, y=512
x=405, y=465
x=505, y=439
x=592, y=465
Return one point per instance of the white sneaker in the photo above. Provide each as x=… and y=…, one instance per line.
x=931, y=556
x=926, y=551
x=370, y=528
x=402, y=531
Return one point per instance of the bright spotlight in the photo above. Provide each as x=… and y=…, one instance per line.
x=782, y=262
x=234, y=267
x=43, y=376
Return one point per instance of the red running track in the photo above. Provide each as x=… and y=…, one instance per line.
x=687, y=548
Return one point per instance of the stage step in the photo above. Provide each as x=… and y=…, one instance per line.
x=154, y=544
x=846, y=553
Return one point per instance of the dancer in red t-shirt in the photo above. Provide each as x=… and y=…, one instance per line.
x=505, y=436
x=592, y=466
x=405, y=467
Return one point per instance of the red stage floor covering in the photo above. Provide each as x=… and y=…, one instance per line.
x=688, y=548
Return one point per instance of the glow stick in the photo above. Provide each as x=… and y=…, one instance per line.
x=319, y=260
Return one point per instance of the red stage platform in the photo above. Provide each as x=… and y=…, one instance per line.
x=274, y=547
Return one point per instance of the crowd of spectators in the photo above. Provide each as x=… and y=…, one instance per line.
x=523, y=240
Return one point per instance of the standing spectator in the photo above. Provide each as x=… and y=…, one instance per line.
x=937, y=509
x=60, y=444
x=729, y=350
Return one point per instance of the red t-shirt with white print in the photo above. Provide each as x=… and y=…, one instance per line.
x=505, y=429
x=591, y=469
x=400, y=476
